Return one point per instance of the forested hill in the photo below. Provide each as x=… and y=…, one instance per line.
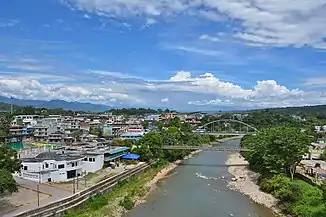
x=309, y=110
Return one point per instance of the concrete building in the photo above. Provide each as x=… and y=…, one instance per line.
x=51, y=167
x=132, y=135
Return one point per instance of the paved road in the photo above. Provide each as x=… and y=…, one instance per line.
x=55, y=194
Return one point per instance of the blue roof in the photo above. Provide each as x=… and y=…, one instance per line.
x=118, y=150
x=131, y=156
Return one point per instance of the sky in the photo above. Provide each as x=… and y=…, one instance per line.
x=180, y=54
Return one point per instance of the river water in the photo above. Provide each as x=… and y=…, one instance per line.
x=196, y=189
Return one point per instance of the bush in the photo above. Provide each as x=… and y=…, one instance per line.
x=127, y=202
x=296, y=197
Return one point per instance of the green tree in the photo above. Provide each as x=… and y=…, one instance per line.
x=5, y=123
x=77, y=134
x=277, y=150
x=117, y=142
x=95, y=131
x=128, y=142
x=145, y=124
x=323, y=188
x=144, y=152
x=154, y=141
x=8, y=184
x=9, y=160
x=9, y=163
x=175, y=122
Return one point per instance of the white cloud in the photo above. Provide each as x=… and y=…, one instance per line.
x=209, y=38
x=8, y=23
x=150, y=21
x=182, y=90
x=86, y=16
x=263, y=22
x=29, y=67
x=205, y=52
x=315, y=81
x=165, y=100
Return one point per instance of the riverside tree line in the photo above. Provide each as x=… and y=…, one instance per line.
x=275, y=154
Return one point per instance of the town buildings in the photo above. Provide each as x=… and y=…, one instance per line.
x=66, y=163
x=84, y=127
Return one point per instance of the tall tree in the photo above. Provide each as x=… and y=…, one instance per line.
x=5, y=122
x=277, y=150
x=9, y=163
x=154, y=141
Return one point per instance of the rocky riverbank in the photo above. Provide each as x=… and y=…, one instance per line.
x=245, y=182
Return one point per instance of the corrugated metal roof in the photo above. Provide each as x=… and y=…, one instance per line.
x=117, y=150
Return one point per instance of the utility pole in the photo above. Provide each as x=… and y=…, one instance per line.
x=38, y=194
x=85, y=179
x=38, y=186
x=73, y=186
x=77, y=182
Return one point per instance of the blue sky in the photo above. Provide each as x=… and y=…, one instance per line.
x=200, y=54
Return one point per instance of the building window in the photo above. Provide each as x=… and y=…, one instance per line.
x=85, y=159
x=25, y=167
x=46, y=165
x=90, y=159
x=93, y=159
x=61, y=166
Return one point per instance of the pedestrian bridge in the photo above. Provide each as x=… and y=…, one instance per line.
x=205, y=148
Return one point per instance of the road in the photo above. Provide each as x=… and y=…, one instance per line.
x=53, y=193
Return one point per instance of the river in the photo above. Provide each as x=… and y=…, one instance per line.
x=196, y=189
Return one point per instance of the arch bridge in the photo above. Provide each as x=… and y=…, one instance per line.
x=227, y=127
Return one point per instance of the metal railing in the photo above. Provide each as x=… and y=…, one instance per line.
x=70, y=202
x=205, y=148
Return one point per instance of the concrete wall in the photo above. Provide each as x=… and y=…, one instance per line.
x=90, y=166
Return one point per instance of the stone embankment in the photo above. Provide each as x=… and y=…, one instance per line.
x=245, y=182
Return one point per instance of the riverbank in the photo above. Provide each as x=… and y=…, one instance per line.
x=126, y=195
x=245, y=182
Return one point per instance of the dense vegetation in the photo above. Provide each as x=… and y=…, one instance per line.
x=138, y=111
x=9, y=163
x=275, y=154
x=172, y=132
x=318, y=110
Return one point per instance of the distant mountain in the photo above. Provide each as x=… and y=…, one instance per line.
x=74, y=106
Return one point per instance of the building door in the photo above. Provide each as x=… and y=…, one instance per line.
x=71, y=174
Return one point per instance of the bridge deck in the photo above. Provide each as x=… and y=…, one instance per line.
x=222, y=149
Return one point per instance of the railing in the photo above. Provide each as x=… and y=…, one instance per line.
x=227, y=149
x=60, y=206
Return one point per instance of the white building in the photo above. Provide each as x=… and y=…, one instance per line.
x=93, y=162
x=52, y=167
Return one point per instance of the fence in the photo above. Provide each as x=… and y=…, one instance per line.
x=59, y=207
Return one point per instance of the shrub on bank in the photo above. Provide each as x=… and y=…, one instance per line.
x=296, y=197
x=127, y=202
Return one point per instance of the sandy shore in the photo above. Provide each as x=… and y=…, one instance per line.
x=246, y=183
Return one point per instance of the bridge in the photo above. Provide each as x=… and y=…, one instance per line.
x=205, y=148
x=226, y=127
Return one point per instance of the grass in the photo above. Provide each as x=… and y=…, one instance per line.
x=122, y=197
